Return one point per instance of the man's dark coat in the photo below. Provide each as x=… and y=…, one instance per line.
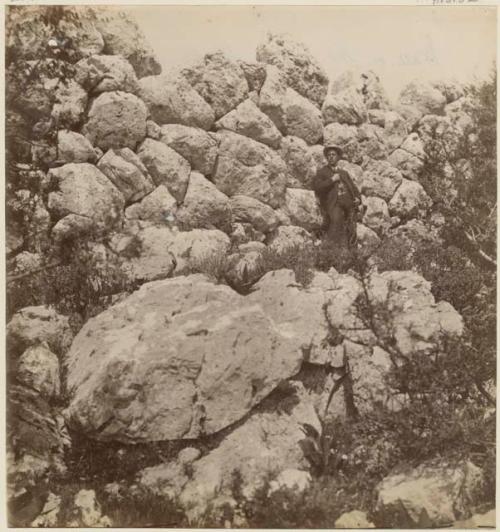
x=327, y=192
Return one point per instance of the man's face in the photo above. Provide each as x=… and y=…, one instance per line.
x=332, y=157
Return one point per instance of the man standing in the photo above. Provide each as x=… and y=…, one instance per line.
x=339, y=198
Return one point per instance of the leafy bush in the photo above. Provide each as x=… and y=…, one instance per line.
x=79, y=278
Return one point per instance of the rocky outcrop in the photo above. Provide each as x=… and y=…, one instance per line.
x=345, y=107
x=302, y=71
x=123, y=37
x=159, y=206
x=156, y=252
x=85, y=191
x=125, y=170
x=432, y=495
x=197, y=146
x=172, y=100
x=204, y=206
x=165, y=166
x=250, y=168
x=268, y=442
x=248, y=120
x=354, y=519
x=300, y=161
x=32, y=326
x=303, y=209
x=288, y=237
x=254, y=212
x=409, y=200
x=376, y=216
x=367, y=84
x=116, y=120
x=380, y=179
x=426, y=98
x=291, y=113
x=106, y=73
x=74, y=148
x=220, y=82
x=180, y=365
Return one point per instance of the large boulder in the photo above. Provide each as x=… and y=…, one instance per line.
x=409, y=200
x=367, y=84
x=292, y=113
x=415, y=328
x=163, y=372
x=372, y=141
x=395, y=129
x=72, y=226
x=247, y=119
x=302, y=72
x=165, y=166
x=268, y=443
x=353, y=519
x=426, y=98
x=104, y=73
x=197, y=146
x=204, y=206
x=254, y=212
x=346, y=137
x=38, y=368
x=172, y=100
x=376, y=216
x=299, y=313
x=122, y=36
x=345, y=107
x=288, y=237
x=368, y=240
x=380, y=179
x=405, y=321
x=409, y=158
x=303, y=208
x=159, y=251
x=159, y=206
x=220, y=82
x=116, y=120
x=300, y=160
x=126, y=171
x=247, y=167
x=435, y=494
x=74, y=148
x=85, y=191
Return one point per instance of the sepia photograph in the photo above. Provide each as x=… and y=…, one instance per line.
x=250, y=266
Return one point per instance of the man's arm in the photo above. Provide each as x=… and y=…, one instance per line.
x=354, y=189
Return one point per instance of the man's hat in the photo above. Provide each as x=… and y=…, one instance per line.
x=335, y=147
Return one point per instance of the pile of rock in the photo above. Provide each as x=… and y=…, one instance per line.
x=212, y=147
x=212, y=161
